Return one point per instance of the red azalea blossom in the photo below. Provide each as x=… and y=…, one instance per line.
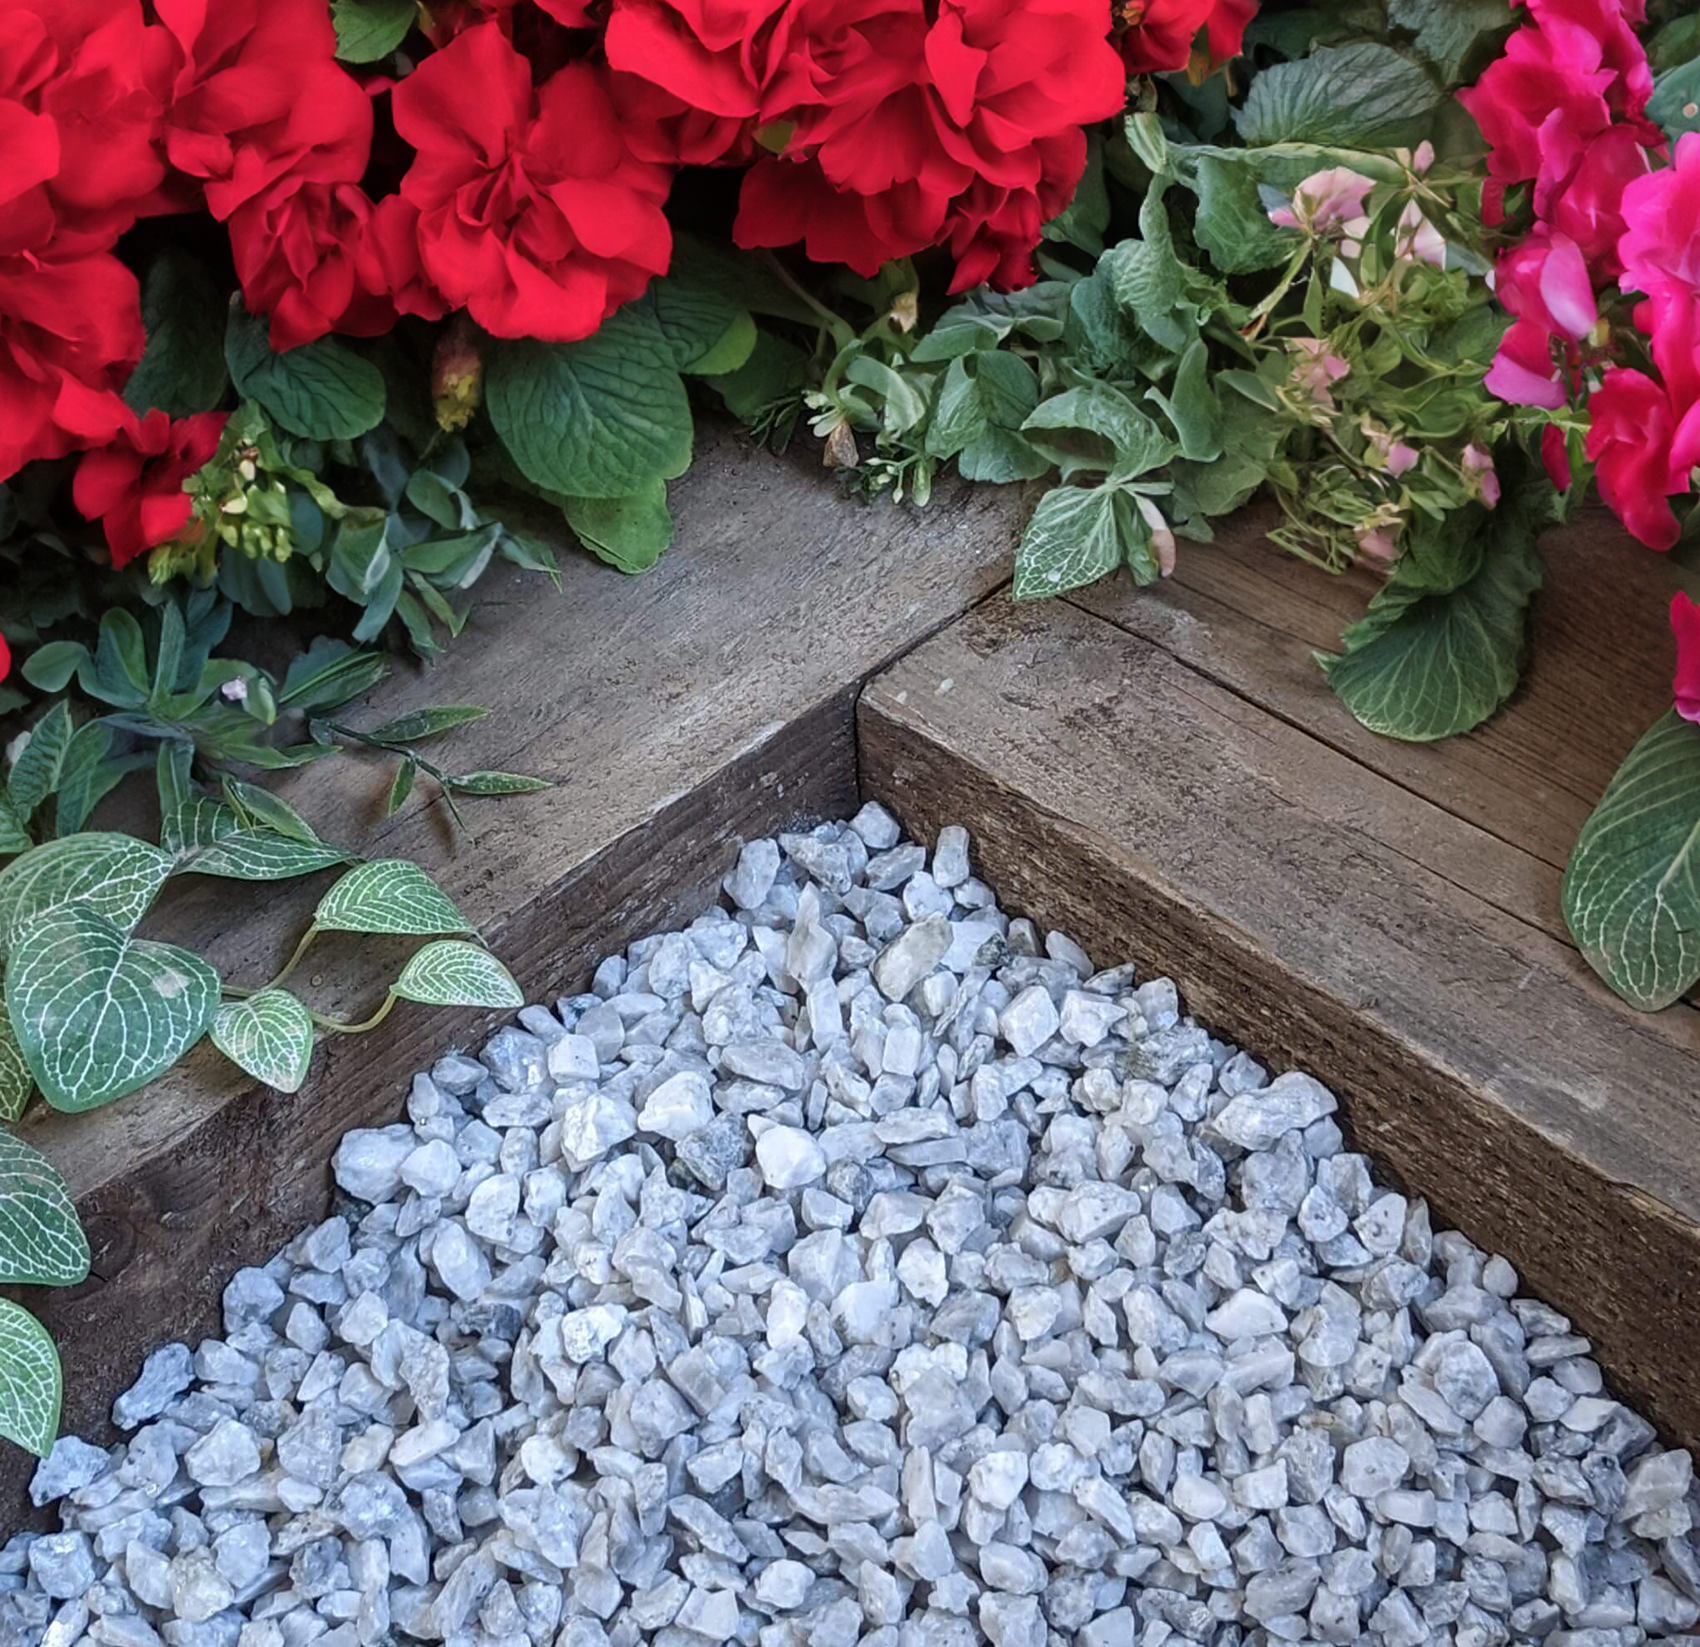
x=912, y=119
x=445, y=19
x=1157, y=36
x=134, y=486
x=70, y=335
x=81, y=89
x=1685, y=624
x=533, y=212
x=299, y=255
x=258, y=96
x=388, y=258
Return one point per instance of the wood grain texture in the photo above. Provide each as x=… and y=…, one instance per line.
x=1117, y=793
x=1246, y=614
x=678, y=712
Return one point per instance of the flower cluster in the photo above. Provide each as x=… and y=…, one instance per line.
x=1564, y=113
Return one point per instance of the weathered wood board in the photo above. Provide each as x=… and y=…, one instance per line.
x=1334, y=907
x=708, y=701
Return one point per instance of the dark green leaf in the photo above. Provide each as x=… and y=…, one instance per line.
x=36, y=773
x=80, y=777
x=1675, y=103
x=1096, y=427
x=401, y=788
x=774, y=371
x=631, y=533
x=1429, y=667
x=369, y=29
x=198, y=821
x=447, y=505
x=41, y=1238
x=261, y=806
x=32, y=1385
x=1632, y=887
x=51, y=667
x=706, y=329
x=1359, y=96
x=419, y=724
x=14, y=835
x=182, y=370
x=120, y=674
x=259, y=855
x=322, y=390
x=1454, y=35
x=1192, y=405
x=605, y=417
x=328, y=674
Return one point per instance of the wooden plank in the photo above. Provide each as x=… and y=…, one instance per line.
x=709, y=700
x=1123, y=796
x=1247, y=614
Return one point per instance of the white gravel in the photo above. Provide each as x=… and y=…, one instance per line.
x=858, y=1268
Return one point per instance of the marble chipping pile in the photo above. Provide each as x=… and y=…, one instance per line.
x=860, y=1266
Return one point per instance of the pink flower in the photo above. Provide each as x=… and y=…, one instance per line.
x=1685, y=624
x=1325, y=200
x=1480, y=475
x=1419, y=240
x=1546, y=284
x=1661, y=245
x=1586, y=201
x=1401, y=459
x=1378, y=546
x=1317, y=368
x=1555, y=455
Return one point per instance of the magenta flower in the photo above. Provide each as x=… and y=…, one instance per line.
x=1660, y=247
x=1546, y=284
x=1685, y=624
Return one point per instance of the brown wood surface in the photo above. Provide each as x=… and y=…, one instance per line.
x=1317, y=912
x=709, y=700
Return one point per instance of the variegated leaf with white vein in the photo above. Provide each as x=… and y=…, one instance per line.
x=388, y=895
x=99, y=1013
x=259, y=855
x=117, y=876
x=270, y=1035
x=31, y=1384
x=16, y=1082
x=451, y=973
x=41, y=1238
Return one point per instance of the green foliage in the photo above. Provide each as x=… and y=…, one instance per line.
x=41, y=1240
x=1363, y=95
x=323, y=390
x=452, y=973
x=183, y=369
x=31, y=1383
x=268, y=1036
x=367, y=30
x=387, y=895
x=1675, y=103
x=1632, y=887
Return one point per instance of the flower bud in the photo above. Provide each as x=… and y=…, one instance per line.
x=457, y=374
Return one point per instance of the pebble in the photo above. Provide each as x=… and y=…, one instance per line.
x=857, y=1267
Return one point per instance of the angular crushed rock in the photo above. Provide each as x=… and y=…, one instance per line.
x=859, y=1268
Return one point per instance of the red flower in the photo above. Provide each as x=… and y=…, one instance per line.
x=70, y=334
x=299, y=255
x=447, y=18
x=533, y=211
x=81, y=89
x=1685, y=623
x=1546, y=283
x=1586, y=202
x=929, y=122
x=258, y=96
x=1157, y=36
x=134, y=486
x=5, y=658
x=388, y=260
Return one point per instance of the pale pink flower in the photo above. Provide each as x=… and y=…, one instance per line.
x=1480, y=474
x=1317, y=368
x=1378, y=546
x=1325, y=200
x=1419, y=240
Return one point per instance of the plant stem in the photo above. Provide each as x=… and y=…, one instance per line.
x=335, y=1026
x=307, y=937
x=836, y=324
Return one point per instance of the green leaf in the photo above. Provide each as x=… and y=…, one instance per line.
x=1632, y=887
x=401, y=787
x=705, y=328
x=604, y=417
x=14, y=837
x=41, y=1238
x=31, y=1384
x=80, y=784
x=1359, y=96
x=496, y=783
x=775, y=371
x=198, y=821
x=116, y=876
x=16, y=1082
x=369, y=29
x=1452, y=34
x=322, y=390
x=328, y=674
x=388, y=895
x=262, y=807
x=1074, y=538
x=631, y=533
x=419, y=724
x=259, y=855
x=905, y=396
x=1675, y=103
x=182, y=370
x=99, y=1013
x=435, y=498
x=51, y=667
x=448, y=973
x=171, y=776
x=1192, y=405
x=269, y=1036
x=121, y=675
x=1428, y=667
x=1096, y=427
x=36, y=774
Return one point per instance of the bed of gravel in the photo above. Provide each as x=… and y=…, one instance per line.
x=860, y=1266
